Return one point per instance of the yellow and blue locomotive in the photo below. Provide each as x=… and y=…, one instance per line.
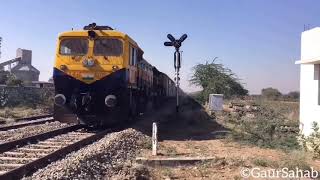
x=101, y=77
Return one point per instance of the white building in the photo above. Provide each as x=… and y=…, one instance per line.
x=309, y=79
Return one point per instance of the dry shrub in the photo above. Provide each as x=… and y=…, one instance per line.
x=267, y=128
x=312, y=142
x=296, y=159
x=25, y=96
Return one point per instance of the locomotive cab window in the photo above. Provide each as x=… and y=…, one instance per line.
x=133, y=56
x=74, y=46
x=108, y=47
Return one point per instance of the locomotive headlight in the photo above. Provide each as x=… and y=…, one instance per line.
x=110, y=100
x=115, y=67
x=59, y=99
x=63, y=67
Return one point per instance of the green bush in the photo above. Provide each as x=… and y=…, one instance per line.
x=271, y=93
x=312, y=142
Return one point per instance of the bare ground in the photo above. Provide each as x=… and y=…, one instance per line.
x=193, y=133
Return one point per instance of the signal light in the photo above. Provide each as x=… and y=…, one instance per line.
x=183, y=37
x=174, y=42
x=170, y=37
x=168, y=43
x=92, y=34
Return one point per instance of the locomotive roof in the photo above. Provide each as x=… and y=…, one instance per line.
x=145, y=61
x=105, y=33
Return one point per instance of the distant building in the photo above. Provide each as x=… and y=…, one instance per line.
x=21, y=67
x=309, y=79
x=24, y=69
x=42, y=84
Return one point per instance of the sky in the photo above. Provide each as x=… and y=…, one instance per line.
x=258, y=40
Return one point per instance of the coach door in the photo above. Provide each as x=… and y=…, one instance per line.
x=133, y=67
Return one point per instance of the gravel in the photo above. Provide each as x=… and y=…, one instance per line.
x=23, y=132
x=109, y=158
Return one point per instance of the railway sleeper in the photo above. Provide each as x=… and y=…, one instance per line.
x=19, y=154
x=3, y=158
x=55, y=143
x=17, y=161
x=41, y=146
x=9, y=166
x=34, y=150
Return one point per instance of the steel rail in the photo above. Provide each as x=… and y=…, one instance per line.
x=34, y=117
x=37, y=120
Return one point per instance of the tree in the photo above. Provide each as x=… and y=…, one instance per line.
x=293, y=95
x=4, y=77
x=214, y=78
x=12, y=80
x=271, y=93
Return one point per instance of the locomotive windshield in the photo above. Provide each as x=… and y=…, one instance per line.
x=107, y=47
x=74, y=46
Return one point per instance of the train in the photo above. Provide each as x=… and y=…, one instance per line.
x=101, y=78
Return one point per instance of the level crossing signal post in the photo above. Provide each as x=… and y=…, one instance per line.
x=176, y=43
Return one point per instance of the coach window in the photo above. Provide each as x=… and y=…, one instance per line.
x=133, y=56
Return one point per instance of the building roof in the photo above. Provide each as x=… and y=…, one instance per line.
x=310, y=43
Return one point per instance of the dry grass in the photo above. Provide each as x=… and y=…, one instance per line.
x=8, y=115
x=289, y=109
x=299, y=159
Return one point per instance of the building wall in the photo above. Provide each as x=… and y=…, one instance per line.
x=309, y=79
x=27, y=76
x=309, y=97
x=25, y=55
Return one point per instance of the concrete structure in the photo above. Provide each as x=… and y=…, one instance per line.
x=21, y=67
x=215, y=102
x=309, y=79
x=24, y=70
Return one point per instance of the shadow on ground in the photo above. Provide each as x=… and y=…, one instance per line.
x=191, y=123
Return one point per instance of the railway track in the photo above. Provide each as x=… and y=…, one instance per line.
x=22, y=157
x=34, y=120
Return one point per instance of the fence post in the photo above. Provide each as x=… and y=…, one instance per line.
x=154, y=138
